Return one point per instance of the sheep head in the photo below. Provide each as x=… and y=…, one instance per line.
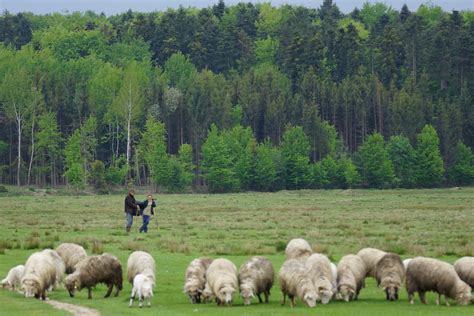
x=193, y=292
x=30, y=288
x=310, y=298
x=72, y=284
x=6, y=284
x=226, y=295
x=391, y=292
x=463, y=295
x=246, y=291
x=346, y=292
x=325, y=295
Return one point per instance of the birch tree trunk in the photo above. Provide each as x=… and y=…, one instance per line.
x=129, y=121
x=19, y=120
x=32, y=148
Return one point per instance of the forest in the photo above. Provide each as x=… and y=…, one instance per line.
x=237, y=98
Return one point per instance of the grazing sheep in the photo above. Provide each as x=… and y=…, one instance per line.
x=406, y=262
x=427, y=274
x=318, y=268
x=350, y=277
x=390, y=273
x=140, y=262
x=221, y=281
x=143, y=287
x=93, y=270
x=59, y=265
x=41, y=273
x=13, y=279
x=71, y=255
x=465, y=269
x=256, y=277
x=371, y=256
x=298, y=249
x=295, y=282
x=195, y=278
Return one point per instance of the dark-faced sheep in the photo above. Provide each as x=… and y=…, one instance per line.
x=140, y=262
x=41, y=273
x=465, y=269
x=371, y=256
x=94, y=270
x=427, y=274
x=221, y=281
x=350, y=277
x=195, y=278
x=256, y=277
x=318, y=268
x=390, y=274
x=298, y=249
x=71, y=254
x=295, y=282
x=13, y=278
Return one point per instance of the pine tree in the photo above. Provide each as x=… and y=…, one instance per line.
x=429, y=164
x=462, y=169
x=403, y=158
x=295, y=150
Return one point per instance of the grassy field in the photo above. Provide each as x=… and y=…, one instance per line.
x=437, y=223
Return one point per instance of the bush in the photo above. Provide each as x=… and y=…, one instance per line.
x=3, y=189
x=97, y=177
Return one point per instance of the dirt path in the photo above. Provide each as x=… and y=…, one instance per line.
x=76, y=310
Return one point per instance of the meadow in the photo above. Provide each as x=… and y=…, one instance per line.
x=436, y=223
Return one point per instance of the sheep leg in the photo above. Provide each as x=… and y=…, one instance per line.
x=259, y=298
x=149, y=301
x=140, y=297
x=438, y=299
x=283, y=301
x=43, y=295
x=446, y=300
x=89, y=292
x=132, y=297
x=410, y=298
x=422, y=297
x=117, y=290
x=292, y=299
x=267, y=294
x=111, y=286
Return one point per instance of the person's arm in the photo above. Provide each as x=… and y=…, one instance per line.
x=129, y=202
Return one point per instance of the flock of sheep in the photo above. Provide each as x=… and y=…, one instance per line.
x=45, y=270
x=310, y=277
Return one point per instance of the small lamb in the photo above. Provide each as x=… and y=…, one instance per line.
x=13, y=279
x=143, y=287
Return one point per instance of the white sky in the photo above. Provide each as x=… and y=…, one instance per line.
x=111, y=7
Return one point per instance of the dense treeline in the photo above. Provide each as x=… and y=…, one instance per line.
x=244, y=97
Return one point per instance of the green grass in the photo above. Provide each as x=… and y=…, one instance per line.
x=435, y=223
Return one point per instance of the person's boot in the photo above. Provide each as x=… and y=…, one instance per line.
x=128, y=229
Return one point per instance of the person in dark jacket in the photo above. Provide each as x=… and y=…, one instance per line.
x=147, y=210
x=131, y=209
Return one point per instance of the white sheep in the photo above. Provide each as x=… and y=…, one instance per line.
x=294, y=282
x=140, y=262
x=59, y=265
x=406, y=262
x=195, y=278
x=427, y=274
x=371, y=256
x=256, y=277
x=298, y=249
x=465, y=269
x=390, y=273
x=350, y=277
x=334, y=280
x=318, y=268
x=40, y=275
x=143, y=287
x=221, y=281
x=71, y=254
x=13, y=278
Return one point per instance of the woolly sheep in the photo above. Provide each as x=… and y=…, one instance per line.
x=195, y=278
x=295, y=282
x=298, y=249
x=59, y=265
x=256, y=277
x=350, y=277
x=221, y=281
x=318, y=268
x=465, y=269
x=143, y=287
x=13, y=278
x=406, y=262
x=140, y=262
x=390, y=273
x=93, y=270
x=371, y=256
x=71, y=254
x=334, y=279
x=427, y=274
x=41, y=273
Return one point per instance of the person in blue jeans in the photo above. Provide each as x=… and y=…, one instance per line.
x=131, y=209
x=147, y=210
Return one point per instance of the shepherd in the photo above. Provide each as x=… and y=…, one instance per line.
x=147, y=210
x=131, y=209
